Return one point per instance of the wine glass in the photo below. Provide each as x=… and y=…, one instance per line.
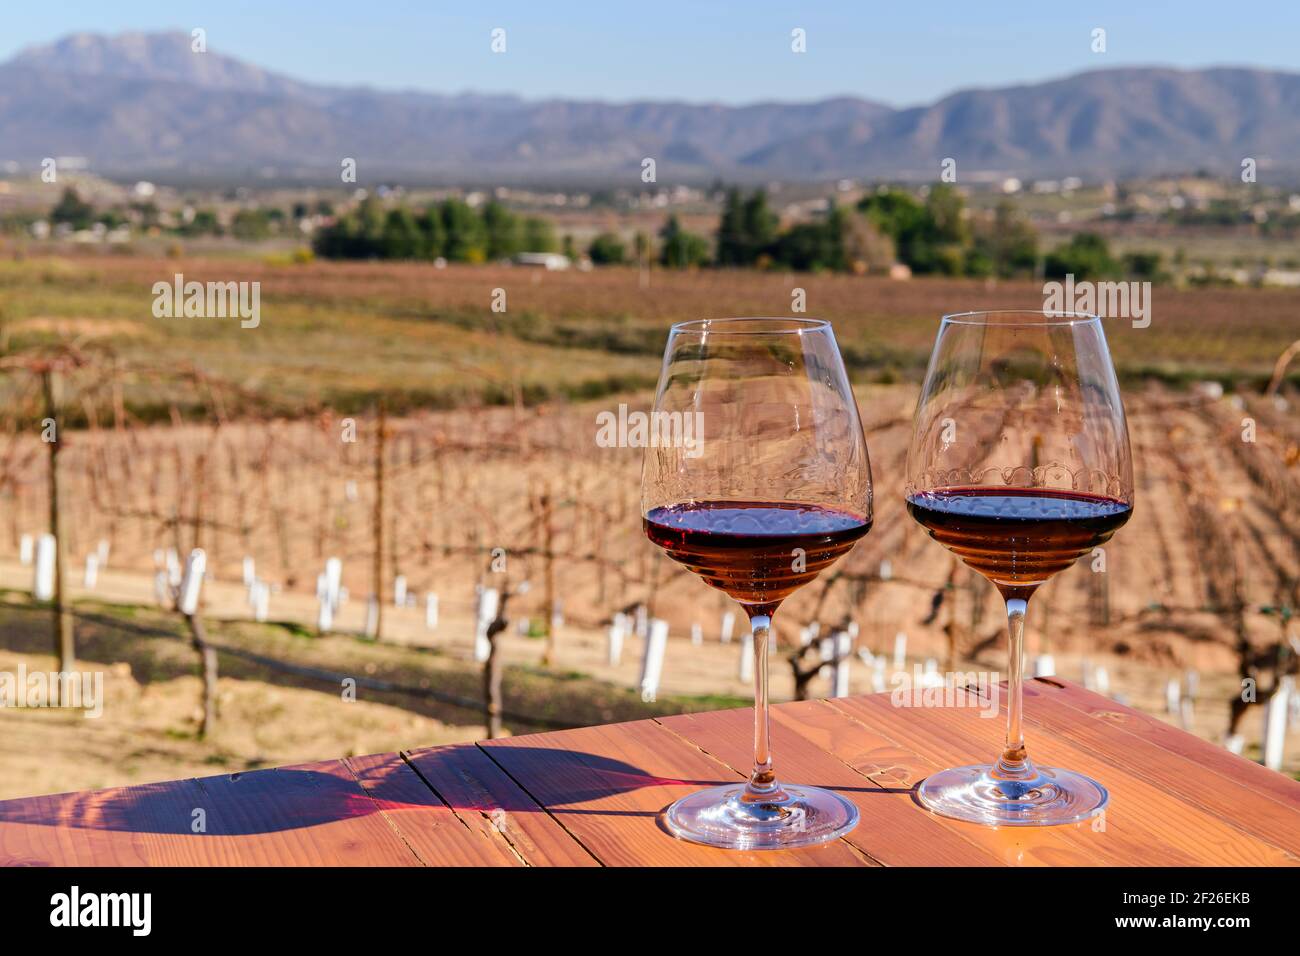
x=777, y=489
x=1019, y=465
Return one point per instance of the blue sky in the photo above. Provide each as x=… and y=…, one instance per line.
x=899, y=53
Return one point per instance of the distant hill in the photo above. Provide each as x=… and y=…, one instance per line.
x=144, y=104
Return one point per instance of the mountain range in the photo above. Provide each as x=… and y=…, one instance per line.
x=145, y=105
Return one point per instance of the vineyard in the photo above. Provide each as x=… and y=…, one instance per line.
x=385, y=418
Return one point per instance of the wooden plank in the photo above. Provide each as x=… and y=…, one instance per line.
x=890, y=830
x=1225, y=797
x=1206, y=755
x=595, y=796
x=1142, y=824
x=485, y=799
x=310, y=815
x=608, y=786
x=435, y=832
x=123, y=826
x=871, y=750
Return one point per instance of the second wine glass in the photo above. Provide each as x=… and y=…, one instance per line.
x=1019, y=465
x=773, y=487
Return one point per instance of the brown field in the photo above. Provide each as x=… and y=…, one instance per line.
x=341, y=335
x=1212, y=551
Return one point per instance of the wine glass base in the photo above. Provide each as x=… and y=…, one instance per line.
x=1052, y=797
x=790, y=817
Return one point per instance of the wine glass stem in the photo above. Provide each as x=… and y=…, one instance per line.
x=762, y=782
x=1014, y=762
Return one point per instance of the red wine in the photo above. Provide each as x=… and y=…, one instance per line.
x=1018, y=537
x=748, y=548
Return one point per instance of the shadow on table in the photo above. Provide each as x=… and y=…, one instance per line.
x=566, y=782
x=289, y=798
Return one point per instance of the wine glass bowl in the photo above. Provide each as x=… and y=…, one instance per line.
x=743, y=548
x=777, y=414
x=775, y=489
x=1019, y=465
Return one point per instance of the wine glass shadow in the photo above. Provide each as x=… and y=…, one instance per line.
x=292, y=798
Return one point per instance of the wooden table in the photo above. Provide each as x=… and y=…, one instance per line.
x=592, y=797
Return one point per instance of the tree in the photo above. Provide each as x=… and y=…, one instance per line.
x=435, y=234
x=680, y=249
x=403, y=238
x=865, y=248
x=607, y=249
x=807, y=247
x=899, y=216
x=539, y=235
x=731, y=231
x=204, y=222
x=73, y=210
x=949, y=235
x=933, y=236
x=1143, y=265
x=641, y=243
x=1086, y=257
x=817, y=246
x=367, y=231
x=1006, y=244
x=761, y=225
x=747, y=228
x=504, y=231
x=250, y=224
x=946, y=210
x=466, y=240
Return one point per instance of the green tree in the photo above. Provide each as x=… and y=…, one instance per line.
x=368, y=229
x=907, y=222
x=946, y=210
x=1143, y=265
x=403, y=238
x=930, y=236
x=761, y=225
x=504, y=231
x=811, y=246
x=110, y=218
x=641, y=243
x=250, y=224
x=466, y=239
x=1004, y=245
x=539, y=235
x=204, y=222
x=606, y=249
x=747, y=230
x=73, y=210
x=434, y=233
x=949, y=233
x=148, y=212
x=730, y=239
x=1086, y=257
x=680, y=249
